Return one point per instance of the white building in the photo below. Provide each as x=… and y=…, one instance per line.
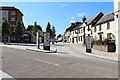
x=105, y=28
x=117, y=24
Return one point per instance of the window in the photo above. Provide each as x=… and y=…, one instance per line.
x=12, y=25
x=100, y=37
x=95, y=29
x=88, y=28
x=12, y=19
x=3, y=19
x=81, y=38
x=100, y=28
x=12, y=13
x=108, y=26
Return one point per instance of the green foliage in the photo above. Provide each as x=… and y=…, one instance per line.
x=29, y=27
x=98, y=41
x=18, y=29
x=5, y=28
x=35, y=28
x=105, y=41
x=48, y=28
x=53, y=32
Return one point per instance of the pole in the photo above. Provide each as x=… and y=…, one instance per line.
x=38, y=40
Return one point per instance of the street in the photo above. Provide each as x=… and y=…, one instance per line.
x=29, y=64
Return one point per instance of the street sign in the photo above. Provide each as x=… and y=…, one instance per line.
x=88, y=44
x=46, y=41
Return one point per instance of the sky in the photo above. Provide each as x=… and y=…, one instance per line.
x=59, y=14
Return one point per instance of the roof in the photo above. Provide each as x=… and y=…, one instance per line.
x=73, y=26
x=77, y=26
x=90, y=20
x=105, y=18
x=96, y=18
x=9, y=8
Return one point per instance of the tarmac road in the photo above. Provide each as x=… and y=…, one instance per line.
x=30, y=64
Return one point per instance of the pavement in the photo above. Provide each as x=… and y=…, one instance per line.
x=66, y=49
x=21, y=63
x=96, y=53
x=4, y=75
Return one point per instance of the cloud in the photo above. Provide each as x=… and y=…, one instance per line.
x=71, y=18
x=80, y=14
x=63, y=5
x=72, y=21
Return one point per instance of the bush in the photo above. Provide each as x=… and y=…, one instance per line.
x=105, y=41
x=98, y=42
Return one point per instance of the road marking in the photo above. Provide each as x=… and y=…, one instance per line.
x=108, y=77
x=44, y=61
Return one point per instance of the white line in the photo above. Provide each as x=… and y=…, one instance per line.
x=108, y=77
x=44, y=61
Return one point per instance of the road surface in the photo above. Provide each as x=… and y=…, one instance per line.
x=30, y=64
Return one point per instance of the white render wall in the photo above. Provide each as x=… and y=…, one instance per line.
x=104, y=30
x=81, y=34
x=117, y=24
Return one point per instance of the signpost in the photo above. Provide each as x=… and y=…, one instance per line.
x=39, y=38
x=88, y=44
x=38, y=41
x=46, y=41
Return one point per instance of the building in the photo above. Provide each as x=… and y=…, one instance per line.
x=117, y=23
x=100, y=27
x=105, y=28
x=81, y=30
x=71, y=33
x=11, y=14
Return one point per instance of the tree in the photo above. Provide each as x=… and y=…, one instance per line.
x=35, y=28
x=48, y=29
x=59, y=36
x=53, y=32
x=5, y=29
x=18, y=29
x=29, y=27
x=39, y=27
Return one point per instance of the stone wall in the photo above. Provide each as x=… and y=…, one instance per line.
x=101, y=47
x=106, y=48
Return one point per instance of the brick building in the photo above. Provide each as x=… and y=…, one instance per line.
x=11, y=14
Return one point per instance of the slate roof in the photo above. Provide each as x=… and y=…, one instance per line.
x=96, y=18
x=105, y=18
x=73, y=26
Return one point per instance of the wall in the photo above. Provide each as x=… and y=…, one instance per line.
x=104, y=30
x=4, y=15
x=117, y=24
